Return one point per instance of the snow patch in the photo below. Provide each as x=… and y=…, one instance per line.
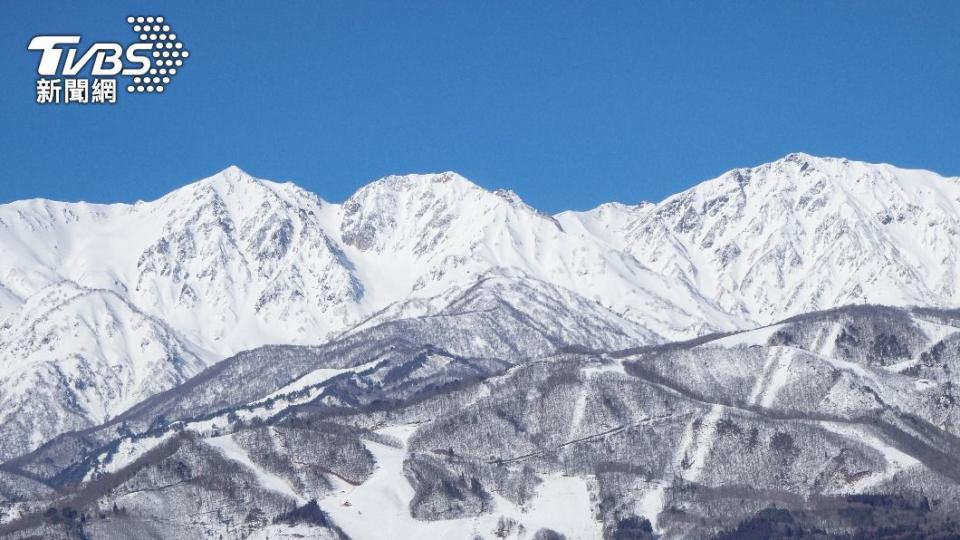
x=231, y=450
x=380, y=507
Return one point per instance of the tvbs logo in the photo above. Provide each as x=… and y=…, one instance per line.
x=151, y=63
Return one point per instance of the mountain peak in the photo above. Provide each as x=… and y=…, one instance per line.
x=234, y=171
x=789, y=172
x=808, y=162
x=235, y=184
x=228, y=181
x=231, y=176
x=803, y=157
x=416, y=190
x=415, y=181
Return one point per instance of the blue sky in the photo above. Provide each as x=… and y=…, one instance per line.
x=567, y=103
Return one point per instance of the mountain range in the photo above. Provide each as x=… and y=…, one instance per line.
x=426, y=332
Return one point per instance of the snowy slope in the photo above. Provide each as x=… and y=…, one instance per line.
x=561, y=504
x=231, y=261
x=798, y=235
x=74, y=357
x=420, y=235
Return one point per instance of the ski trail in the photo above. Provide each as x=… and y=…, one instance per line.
x=651, y=503
x=691, y=455
x=702, y=442
x=579, y=409
x=775, y=375
x=234, y=452
x=826, y=343
x=896, y=460
x=580, y=405
x=379, y=508
x=761, y=381
x=781, y=359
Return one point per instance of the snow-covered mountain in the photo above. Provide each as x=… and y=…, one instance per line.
x=231, y=263
x=797, y=235
x=422, y=235
x=450, y=357
x=73, y=357
x=103, y=305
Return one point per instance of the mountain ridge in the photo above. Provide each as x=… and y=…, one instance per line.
x=454, y=359
x=232, y=262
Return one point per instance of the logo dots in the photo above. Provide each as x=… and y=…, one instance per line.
x=168, y=54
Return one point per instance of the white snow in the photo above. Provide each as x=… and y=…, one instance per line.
x=896, y=459
x=128, y=451
x=701, y=442
x=758, y=337
x=579, y=408
x=651, y=503
x=102, y=306
x=231, y=450
x=282, y=531
x=379, y=508
x=775, y=375
x=693, y=450
x=801, y=234
x=311, y=380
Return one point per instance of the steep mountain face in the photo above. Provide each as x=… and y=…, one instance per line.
x=798, y=235
x=231, y=262
x=437, y=233
x=240, y=256
x=109, y=304
x=75, y=357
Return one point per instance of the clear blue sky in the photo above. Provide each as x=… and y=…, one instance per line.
x=567, y=103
